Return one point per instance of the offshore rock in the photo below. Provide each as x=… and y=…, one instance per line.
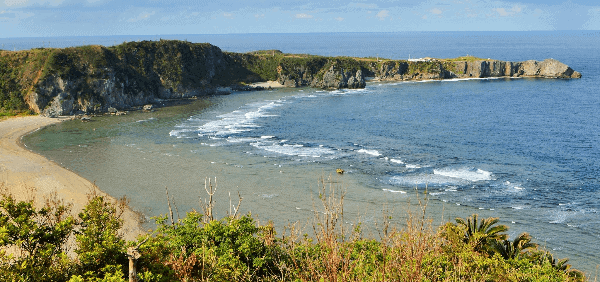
x=554, y=68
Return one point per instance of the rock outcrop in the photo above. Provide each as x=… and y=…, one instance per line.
x=320, y=72
x=130, y=75
x=91, y=79
x=448, y=69
x=337, y=77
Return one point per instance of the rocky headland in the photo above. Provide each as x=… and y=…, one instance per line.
x=96, y=79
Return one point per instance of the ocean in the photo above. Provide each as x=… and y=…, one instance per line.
x=524, y=150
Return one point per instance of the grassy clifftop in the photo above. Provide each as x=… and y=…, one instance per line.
x=136, y=67
x=31, y=79
x=94, y=78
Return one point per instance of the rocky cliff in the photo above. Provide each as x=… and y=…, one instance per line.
x=130, y=75
x=91, y=79
x=469, y=67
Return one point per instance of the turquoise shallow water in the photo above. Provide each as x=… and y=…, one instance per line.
x=525, y=150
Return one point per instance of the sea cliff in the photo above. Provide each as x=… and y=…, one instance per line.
x=93, y=79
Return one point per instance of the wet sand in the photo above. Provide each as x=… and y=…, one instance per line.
x=25, y=174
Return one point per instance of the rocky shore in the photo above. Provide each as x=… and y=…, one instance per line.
x=96, y=79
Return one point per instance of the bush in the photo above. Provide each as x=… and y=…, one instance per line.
x=98, y=241
x=38, y=237
x=231, y=249
x=201, y=248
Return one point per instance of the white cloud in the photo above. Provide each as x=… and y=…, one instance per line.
x=593, y=23
x=141, y=17
x=436, y=11
x=303, y=16
x=24, y=3
x=259, y=16
x=15, y=2
x=362, y=6
x=501, y=11
x=508, y=13
x=383, y=14
x=339, y=19
x=228, y=15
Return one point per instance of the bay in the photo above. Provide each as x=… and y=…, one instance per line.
x=524, y=150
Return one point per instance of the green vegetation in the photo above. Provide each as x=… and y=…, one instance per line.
x=18, y=70
x=465, y=59
x=272, y=64
x=424, y=67
x=152, y=68
x=236, y=248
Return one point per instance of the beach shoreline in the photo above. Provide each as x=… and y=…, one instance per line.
x=27, y=175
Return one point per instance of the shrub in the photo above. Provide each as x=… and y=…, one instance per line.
x=38, y=237
x=100, y=247
x=232, y=249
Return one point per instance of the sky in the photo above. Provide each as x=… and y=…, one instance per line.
x=45, y=18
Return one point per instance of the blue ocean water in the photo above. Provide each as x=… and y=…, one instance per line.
x=524, y=150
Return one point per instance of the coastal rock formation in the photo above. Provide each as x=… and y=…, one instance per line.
x=470, y=68
x=319, y=72
x=336, y=77
x=96, y=79
x=91, y=79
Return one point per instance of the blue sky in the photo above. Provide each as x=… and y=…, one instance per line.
x=32, y=18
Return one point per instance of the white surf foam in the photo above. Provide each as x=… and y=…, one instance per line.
x=394, y=191
x=241, y=120
x=426, y=179
x=369, y=152
x=412, y=166
x=396, y=161
x=469, y=174
x=294, y=149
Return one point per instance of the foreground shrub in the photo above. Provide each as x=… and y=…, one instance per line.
x=35, y=240
x=201, y=248
x=100, y=248
x=231, y=249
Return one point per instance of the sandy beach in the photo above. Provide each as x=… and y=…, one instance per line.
x=26, y=174
x=267, y=84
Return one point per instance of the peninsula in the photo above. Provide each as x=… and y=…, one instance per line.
x=96, y=79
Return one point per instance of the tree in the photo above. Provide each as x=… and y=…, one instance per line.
x=481, y=233
x=513, y=249
x=562, y=265
x=100, y=247
x=38, y=236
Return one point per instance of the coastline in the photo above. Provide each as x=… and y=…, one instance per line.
x=25, y=174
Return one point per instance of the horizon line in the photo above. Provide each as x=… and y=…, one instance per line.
x=284, y=33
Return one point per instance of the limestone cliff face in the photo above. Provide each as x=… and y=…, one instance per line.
x=442, y=69
x=131, y=75
x=336, y=78
x=91, y=79
x=321, y=73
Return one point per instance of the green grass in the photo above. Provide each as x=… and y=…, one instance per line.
x=465, y=59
